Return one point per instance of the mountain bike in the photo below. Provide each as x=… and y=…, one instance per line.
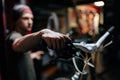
x=79, y=53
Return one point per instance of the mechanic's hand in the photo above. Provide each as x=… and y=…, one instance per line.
x=37, y=55
x=54, y=40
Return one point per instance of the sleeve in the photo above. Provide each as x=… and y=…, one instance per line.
x=15, y=35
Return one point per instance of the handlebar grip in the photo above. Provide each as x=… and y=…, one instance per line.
x=111, y=29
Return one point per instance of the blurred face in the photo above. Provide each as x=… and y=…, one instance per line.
x=25, y=22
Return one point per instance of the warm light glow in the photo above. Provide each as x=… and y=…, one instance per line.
x=99, y=3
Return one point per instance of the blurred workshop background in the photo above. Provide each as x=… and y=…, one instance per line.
x=83, y=20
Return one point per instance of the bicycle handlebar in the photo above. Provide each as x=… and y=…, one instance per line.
x=86, y=47
x=101, y=40
x=90, y=48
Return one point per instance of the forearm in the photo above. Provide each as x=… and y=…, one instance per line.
x=54, y=40
x=26, y=42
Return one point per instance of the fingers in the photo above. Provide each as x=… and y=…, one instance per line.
x=58, y=43
x=55, y=40
x=54, y=43
x=37, y=55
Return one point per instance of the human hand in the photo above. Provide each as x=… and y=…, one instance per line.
x=54, y=40
x=36, y=55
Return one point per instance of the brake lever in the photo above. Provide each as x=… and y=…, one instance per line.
x=88, y=48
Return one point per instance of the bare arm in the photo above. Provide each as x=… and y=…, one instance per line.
x=26, y=42
x=53, y=40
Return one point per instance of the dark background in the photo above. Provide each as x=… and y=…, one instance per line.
x=111, y=18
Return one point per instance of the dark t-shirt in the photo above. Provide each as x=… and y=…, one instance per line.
x=19, y=65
